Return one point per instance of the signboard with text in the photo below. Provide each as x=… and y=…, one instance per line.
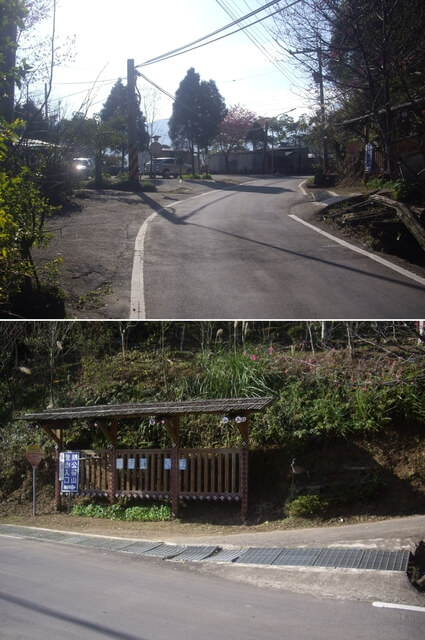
x=71, y=466
x=34, y=455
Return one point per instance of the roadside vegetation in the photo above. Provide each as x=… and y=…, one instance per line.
x=349, y=404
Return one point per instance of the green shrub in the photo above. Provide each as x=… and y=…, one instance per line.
x=153, y=513
x=309, y=506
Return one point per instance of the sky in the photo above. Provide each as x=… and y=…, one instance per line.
x=108, y=32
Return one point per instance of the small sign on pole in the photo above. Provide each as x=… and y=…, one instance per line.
x=34, y=456
x=71, y=467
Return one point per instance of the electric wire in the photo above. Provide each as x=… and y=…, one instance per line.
x=253, y=35
x=189, y=47
x=255, y=39
x=213, y=33
x=195, y=45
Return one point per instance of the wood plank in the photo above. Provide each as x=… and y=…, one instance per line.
x=220, y=472
x=159, y=465
x=152, y=465
x=186, y=475
x=205, y=461
x=192, y=471
x=198, y=472
x=213, y=471
x=233, y=485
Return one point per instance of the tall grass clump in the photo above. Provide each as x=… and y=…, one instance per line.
x=230, y=374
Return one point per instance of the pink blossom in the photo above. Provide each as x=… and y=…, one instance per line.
x=253, y=357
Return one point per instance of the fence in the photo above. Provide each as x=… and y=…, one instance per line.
x=210, y=474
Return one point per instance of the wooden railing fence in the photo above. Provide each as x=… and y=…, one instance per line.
x=210, y=474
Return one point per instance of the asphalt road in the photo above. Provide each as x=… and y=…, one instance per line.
x=217, y=250
x=56, y=591
x=244, y=252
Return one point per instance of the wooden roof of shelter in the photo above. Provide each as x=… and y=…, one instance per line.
x=63, y=418
x=143, y=409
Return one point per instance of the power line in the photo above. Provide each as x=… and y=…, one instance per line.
x=256, y=39
x=189, y=47
x=213, y=33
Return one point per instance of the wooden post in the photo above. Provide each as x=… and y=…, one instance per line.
x=173, y=427
x=243, y=428
x=58, y=502
x=175, y=480
x=112, y=475
x=244, y=481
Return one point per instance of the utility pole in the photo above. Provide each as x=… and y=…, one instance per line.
x=318, y=77
x=133, y=156
x=322, y=113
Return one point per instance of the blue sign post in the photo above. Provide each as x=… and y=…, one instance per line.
x=69, y=474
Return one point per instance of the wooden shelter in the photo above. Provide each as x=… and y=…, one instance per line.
x=174, y=474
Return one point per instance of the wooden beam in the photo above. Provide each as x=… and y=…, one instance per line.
x=53, y=435
x=243, y=429
x=172, y=425
x=111, y=433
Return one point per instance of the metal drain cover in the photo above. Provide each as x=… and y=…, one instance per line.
x=343, y=558
x=225, y=555
x=298, y=557
x=385, y=560
x=195, y=554
x=258, y=555
x=166, y=551
x=141, y=547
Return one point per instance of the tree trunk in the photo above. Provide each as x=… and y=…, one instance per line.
x=407, y=216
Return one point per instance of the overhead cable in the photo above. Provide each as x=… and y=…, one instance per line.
x=190, y=46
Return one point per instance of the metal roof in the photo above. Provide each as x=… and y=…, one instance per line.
x=143, y=409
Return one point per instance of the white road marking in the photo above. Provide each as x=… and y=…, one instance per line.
x=137, y=295
x=301, y=187
x=391, y=605
x=137, y=290
x=386, y=263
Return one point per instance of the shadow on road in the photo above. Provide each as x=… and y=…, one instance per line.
x=68, y=618
x=171, y=216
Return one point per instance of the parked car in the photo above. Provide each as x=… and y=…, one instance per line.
x=83, y=167
x=166, y=167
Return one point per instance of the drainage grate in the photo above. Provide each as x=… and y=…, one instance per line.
x=20, y=531
x=341, y=558
x=92, y=542
x=225, y=555
x=257, y=555
x=75, y=540
x=108, y=544
x=298, y=557
x=385, y=560
x=195, y=554
x=55, y=537
x=166, y=551
x=141, y=547
x=348, y=558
